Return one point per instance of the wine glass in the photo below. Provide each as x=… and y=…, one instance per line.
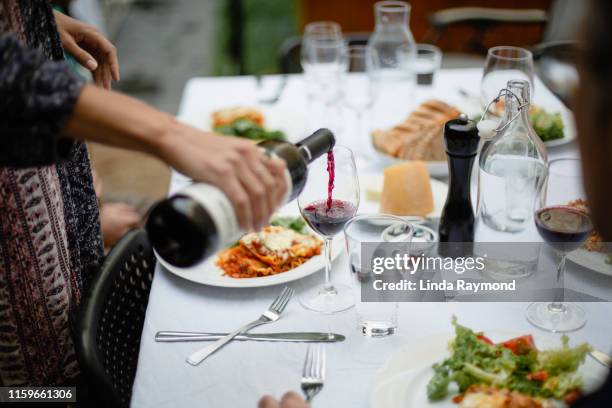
x=502, y=65
x=329, y=200
x=564, y=228
x=323, y=60
x=359, y=91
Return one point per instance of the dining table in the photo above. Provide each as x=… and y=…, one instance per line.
x=242, y=372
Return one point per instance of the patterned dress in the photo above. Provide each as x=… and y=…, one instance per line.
x=50, y=240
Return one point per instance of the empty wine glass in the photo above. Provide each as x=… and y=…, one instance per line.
x=564, y=228
x=502, y=65
x=329, y=200
x=359, y=91
x=323, y=59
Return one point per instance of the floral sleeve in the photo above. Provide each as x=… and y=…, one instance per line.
x=37, y=96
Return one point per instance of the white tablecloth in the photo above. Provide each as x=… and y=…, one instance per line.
x=244, y=371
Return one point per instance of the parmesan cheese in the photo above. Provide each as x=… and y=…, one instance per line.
x=407, y=190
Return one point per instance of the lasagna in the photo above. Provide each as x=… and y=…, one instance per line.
x=271, y=251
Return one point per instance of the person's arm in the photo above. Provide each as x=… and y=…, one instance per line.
x=43, y=105
x=254, y=183
x=36, y=99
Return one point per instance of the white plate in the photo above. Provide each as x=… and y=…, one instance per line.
x=435, y=168
x=439, y=190
x=595, y=261
x=440, y=168
x=402, y=381
x=207, y=273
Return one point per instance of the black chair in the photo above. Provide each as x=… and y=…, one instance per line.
x=110, y=322
x=290, y=49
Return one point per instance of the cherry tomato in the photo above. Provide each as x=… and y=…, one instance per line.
x=485, y=339
x=539, y=376
x=520, y=345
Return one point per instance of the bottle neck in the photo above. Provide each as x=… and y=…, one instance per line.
x=392, y=17
x=518, y=99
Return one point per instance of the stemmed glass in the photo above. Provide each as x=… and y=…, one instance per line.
x=323, y=60
x=564, y=228
x=359, y=91
x=502, y=65
x=329, y=200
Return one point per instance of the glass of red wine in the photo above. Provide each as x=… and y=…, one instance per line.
x=329, y=200
x=564, y=228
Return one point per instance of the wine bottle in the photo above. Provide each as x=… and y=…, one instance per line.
x=196, y=222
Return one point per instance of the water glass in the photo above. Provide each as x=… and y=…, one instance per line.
x=377, y=318
x=323, y=59
x=359, y=92
x=427, y=63
x=502, y=65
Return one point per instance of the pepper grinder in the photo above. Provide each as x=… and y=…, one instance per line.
x=461, y=142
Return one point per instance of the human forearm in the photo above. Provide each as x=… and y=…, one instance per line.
x=253, y=183
x=114, y=119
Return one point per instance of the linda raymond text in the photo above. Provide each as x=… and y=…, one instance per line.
x=444, y=285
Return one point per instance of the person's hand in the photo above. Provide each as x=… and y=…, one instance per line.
x=116, y=219
x=289, y=400
x=85, y=43
x=254, y=183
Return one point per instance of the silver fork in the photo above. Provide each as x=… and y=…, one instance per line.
x=272, y=314
x=313, y=374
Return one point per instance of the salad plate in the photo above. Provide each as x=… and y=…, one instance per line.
x=402, y=381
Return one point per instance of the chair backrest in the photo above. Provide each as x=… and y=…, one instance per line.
x=110, y=322
x=290, y=49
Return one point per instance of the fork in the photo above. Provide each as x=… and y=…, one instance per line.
x=313, y=374
x=271, y=315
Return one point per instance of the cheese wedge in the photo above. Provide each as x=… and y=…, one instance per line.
x=407, y=190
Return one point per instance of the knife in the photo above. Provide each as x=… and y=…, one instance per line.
x=307, y=337
x=601, y=357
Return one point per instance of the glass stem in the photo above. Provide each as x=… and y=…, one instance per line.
x=363, y=137
x=329, y=287
x=558, y=306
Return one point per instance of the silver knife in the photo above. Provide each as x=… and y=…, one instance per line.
x=601, y=357
x=306, y=337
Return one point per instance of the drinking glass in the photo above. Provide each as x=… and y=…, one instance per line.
x=359, y=92
x=323, y=59
x=564, y=228
x=503, y=64
x=427, y=63
x=329, y=199
x=374, y=318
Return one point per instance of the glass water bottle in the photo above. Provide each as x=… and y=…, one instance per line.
x=395, y=52
x=512, y=166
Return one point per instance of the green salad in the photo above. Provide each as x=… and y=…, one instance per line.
x=549, y=126
x=295, y=223
x=250, y=130
x=515, y=364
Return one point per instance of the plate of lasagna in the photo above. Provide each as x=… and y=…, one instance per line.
x=284, y=251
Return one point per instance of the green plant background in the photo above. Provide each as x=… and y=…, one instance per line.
x=267, y=23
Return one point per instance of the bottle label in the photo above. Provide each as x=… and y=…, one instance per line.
x=220, y=209
x=288, y=179
x=289, y=183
